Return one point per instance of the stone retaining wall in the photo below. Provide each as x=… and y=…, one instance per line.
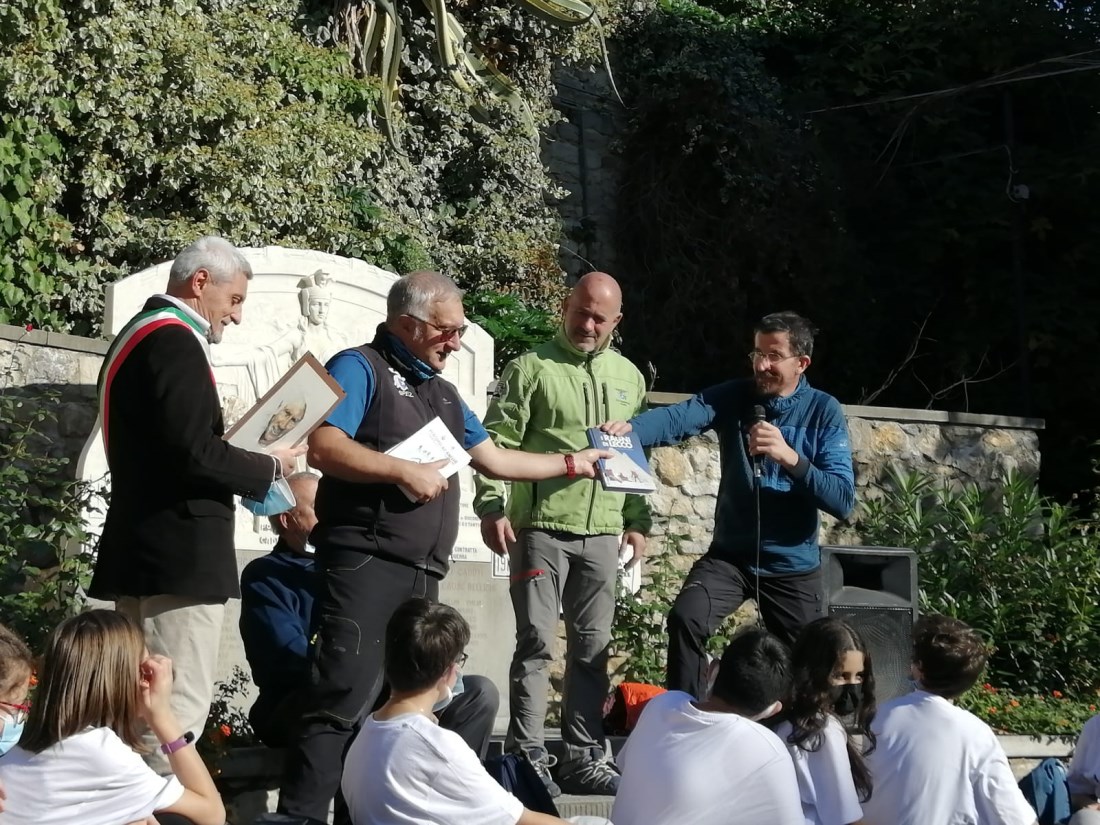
x=962, y=448
x=34, y=364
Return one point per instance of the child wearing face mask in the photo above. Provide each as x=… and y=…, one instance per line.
x=832, y=680
x=16, y=666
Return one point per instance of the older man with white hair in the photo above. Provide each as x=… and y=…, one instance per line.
x=166, y=556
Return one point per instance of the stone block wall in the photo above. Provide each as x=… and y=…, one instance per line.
x=35, y=365
x=579, y=153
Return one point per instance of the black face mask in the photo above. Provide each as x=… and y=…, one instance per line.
x=846, y=698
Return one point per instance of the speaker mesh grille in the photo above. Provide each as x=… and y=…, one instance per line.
x=887, y=632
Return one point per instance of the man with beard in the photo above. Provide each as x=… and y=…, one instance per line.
x=805, y=465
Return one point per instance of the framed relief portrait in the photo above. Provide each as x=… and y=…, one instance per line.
x=290, y=410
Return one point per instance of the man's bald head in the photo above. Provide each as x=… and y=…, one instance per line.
x=601, y=286
x=592, y=311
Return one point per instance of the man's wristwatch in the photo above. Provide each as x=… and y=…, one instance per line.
x=570, y=467
x=169, y=748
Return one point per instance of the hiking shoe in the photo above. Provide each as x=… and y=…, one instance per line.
x=590, y=775
x=542, y=762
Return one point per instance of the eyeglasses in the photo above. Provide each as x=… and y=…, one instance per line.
x=461, y=660
x=772, y=358
x=446, y=332
x=17, y=713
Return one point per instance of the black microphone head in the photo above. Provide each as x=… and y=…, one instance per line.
x=758, y=414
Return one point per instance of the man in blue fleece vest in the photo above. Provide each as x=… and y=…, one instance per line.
x=805, y=465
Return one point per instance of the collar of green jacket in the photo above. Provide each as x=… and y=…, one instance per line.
x=562, y=340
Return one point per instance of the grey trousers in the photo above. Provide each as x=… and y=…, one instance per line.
x=189, y=632
x=1085, y=816
x=577, y=573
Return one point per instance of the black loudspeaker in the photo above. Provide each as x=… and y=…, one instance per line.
x=874, y=589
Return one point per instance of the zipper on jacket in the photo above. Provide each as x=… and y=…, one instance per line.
x=595, y=403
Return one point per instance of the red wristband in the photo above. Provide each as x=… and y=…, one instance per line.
x=570, y=467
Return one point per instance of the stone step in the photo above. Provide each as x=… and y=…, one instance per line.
x=569, y=805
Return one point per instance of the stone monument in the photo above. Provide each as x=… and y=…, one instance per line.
x=301, y=301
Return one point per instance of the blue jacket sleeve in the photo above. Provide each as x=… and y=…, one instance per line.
x=827, y=475
x=671, y=425
x=270, y=625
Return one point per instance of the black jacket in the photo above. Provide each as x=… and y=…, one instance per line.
x=169, y=527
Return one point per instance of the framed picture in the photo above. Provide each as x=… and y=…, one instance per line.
x=289, y=411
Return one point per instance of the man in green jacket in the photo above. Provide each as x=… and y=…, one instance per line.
x=564, y=537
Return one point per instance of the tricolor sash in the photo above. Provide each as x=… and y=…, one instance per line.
x=139, y=327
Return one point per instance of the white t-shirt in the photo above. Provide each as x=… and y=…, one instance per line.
x=685, y=766
x=825, y=776
x=1084, y=770
x=92, y=778
x=410, y=771
x=937, y=763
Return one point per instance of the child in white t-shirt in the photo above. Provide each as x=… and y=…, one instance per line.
x=402, y=768
x=709, y=762
x=76, y=759
x=832, y=677
x=935, y=762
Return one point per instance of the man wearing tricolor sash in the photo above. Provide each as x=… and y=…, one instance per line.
x=166, y=556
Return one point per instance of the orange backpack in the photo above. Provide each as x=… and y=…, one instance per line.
x=624, y=706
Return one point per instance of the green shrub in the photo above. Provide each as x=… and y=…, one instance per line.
x=516, y=326
x=639, y=634
x=129, y=128
x=1008, y=711
x=44, y=566
x=1013, y=564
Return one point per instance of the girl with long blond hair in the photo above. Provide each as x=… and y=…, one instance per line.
x=77, y=757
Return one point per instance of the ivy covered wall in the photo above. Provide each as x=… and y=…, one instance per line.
x=129, y=127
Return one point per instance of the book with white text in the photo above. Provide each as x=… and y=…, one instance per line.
x=627, y=471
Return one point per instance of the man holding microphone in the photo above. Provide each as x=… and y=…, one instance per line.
x=776, y=431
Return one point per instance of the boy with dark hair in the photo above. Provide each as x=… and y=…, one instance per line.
x=403, y=768
x=669, y=764
x=935, y=762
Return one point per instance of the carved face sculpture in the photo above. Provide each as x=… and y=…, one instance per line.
x=317, y=308
x=285, y=419
x=315, y=301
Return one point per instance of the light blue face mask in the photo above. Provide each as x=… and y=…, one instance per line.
x=9, y=736
x=452, y=692
x=279, y=499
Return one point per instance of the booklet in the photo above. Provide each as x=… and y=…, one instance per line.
x=432, y=442
x=627, y=471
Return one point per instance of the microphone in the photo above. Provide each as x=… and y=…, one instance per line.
x=758, y=415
